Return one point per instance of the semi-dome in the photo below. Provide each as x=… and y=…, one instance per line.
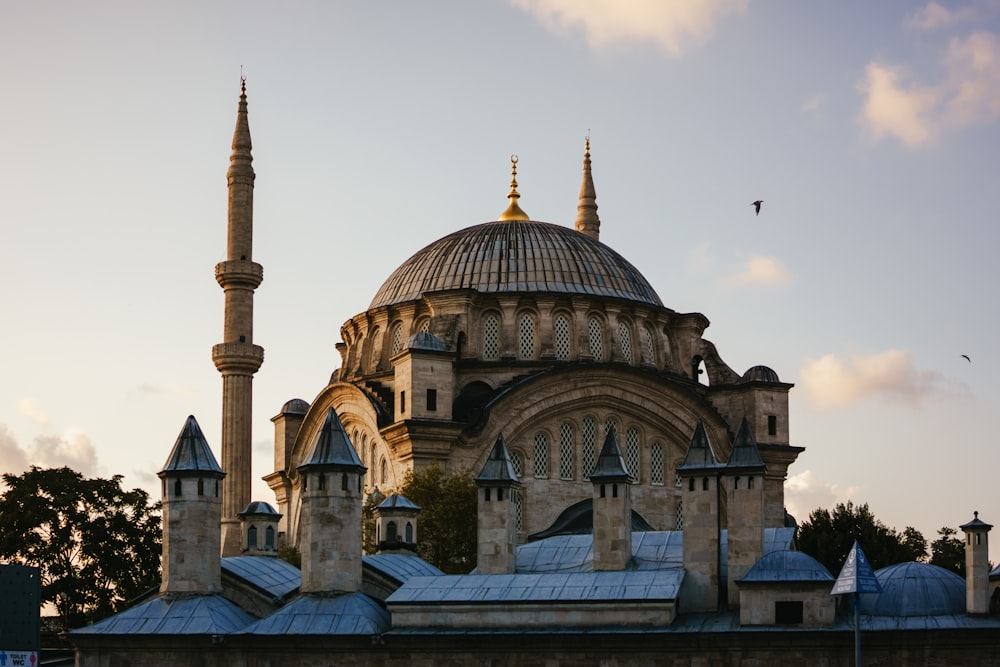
x=517, y=256
x=915, y=589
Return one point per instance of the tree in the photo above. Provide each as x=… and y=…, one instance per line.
x=447, y=530
x=828, y=538
x=97, y=546
x=948, y=551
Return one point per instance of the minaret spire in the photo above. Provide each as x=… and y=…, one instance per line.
x=237, y=358
x=513, y=211
x=587, y=221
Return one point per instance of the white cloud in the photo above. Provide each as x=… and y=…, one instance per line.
x=815, y=104
x=914, y=113
x=934, y=16
x=761, y=270
x=72, y=449
x=672, y=25
x=13, y=458
x=831, y=383
x=30, y=408
x=806, y=492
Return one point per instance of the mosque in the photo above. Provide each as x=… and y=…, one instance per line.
x=631, y=484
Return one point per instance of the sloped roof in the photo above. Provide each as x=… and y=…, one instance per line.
x=174, y=615
x=191, y=454
x=347, y=614
x=400, y=567
x=745, y=456
x=333, y=448
x=915, y=589
x=272, y=576
x=699, y=454
x=788, y=566
x=498, y=466
x=610, y=464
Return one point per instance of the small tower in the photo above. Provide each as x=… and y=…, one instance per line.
x=286, y=429
x=587, y=221
x=702, y=524
x=424, y=378
x=260, y=529
x=396, y=524
x=498, y=482
x=612, y=508
x=977, y=566
x=192, y=500
x=743, y=478
x=331, y=484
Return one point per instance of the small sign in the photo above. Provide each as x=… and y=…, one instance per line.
x=857, y=575
x=18, y=658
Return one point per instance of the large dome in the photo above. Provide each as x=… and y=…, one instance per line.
x=517, y=256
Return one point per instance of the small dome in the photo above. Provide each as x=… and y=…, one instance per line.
x=516, y=256
x=296, y=406
x=396, y=501
x=760, y=374
x=915, y=589
x=787, y=566
x=425, y=340
x=259, y=507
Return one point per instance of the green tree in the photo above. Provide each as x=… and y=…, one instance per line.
x=948, y=551
x=828, y=537
x=447, y=530
x=97, y=546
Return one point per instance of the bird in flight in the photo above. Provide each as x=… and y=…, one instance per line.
x=966, y=357
x=757, y=204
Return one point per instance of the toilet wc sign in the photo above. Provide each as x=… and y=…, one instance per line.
x=18, y=658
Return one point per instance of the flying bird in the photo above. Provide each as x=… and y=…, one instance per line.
x=757, y=204
x=966, y=357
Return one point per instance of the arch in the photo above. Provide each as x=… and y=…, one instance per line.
x=252, y=537
x=269, y=538
x=408, y=532
x=391, y=532
x=396, y=339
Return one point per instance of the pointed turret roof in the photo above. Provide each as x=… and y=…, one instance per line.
x=699, y=455
x=191, y=454
x=587, y=220
x=498, y=469
x=976, y=524
x=745, y=456
x=610, y=464
x=400, y=502
x=333, y=448
x=241, y=158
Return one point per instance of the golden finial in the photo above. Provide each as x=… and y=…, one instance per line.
x=513, y=211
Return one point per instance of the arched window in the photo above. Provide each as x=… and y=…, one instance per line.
x=396, y=342
x=518, y=509
x=679, y=516
x=178, y=487
x=269, y=538
x=649, y=348
x=596, y=333
x=252, y=537
x=491, y=337
x=517, y=460
x=656, y=464
x=589, y=445
x=383, y=471
x=567, y=449
x=541, y=455
x=376, y=352
x=391, y=532
x=424, y=326
x=409, y=532
x=632, y=451
x=526, y=337
x=371, y=462
x=625, y=336
x=611, y=426
x=201, y=486
x=561, y=326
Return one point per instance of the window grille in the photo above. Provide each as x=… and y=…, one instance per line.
x=541, y=455
x=518, y=509
x=589, y=448
x=596, y=338
x=625, y=335
x=610, y=426
x=526, y=336
x=397, y=340
x=632, y=451
x=647, y=338
x=567, y=466
x=561, y=325
x=425, y=325
x=491, y=337
x=517, y=460
x=679, y=518
x=656, y=464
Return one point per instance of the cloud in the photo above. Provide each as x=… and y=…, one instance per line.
x=72, y=449
x=832, y=383
x=30, y=408
x=806, y=492
x=700, y=260
x=934, y=16
x=815, y=104
x=147, y=389
x=760, y=270
x=672, y=25
x=914, y=113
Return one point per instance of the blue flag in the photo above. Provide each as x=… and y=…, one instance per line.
x=857, y=575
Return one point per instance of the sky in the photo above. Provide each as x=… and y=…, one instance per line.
x=871, y=131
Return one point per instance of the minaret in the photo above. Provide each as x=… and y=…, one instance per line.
x=587, y=221
x=237, y=358
x=977, y=566
x=191, y=478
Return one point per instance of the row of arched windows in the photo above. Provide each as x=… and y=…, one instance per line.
x=378, y=466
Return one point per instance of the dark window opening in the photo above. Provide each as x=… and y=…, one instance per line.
x=487, y=494
x=614, y=490
x=344, y=484
x=499, y=494
x=178, y=488
x=391, y=533
x=243, y=339
x=432, y=400
x=691, y=484
x=736, y=482
x=201, y=486
x=787, y=612
x=322, y=482
x=252, y=537
x=704, y=483
x=402, y=402
x=749, y=482
x=603, y=491
x=772, y=425
x=269, y=538
x=409, y=533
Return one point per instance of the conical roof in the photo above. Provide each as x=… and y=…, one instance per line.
x=498, y=469
x=333, y=448
x=191, y=454
x=745, y=456
x=610, y=464
x=699, y=455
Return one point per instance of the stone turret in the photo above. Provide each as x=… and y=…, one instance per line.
x=702, y=524
x=237, y=358
x=331, y=489
x=743, y=479
x=977, y=566
x=612, y=508
x=192, y=500
x=424, y=379
x=260, y=529
x=396, y=524
x=498, y=483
